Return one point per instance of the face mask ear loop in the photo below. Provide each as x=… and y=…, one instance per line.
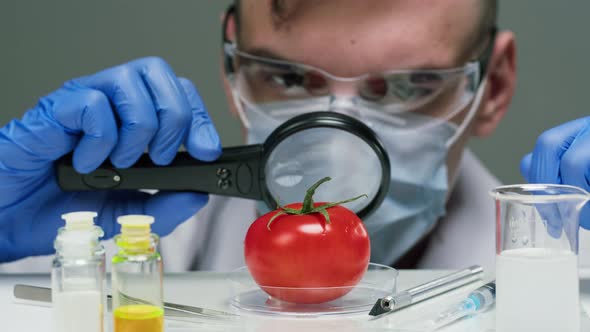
x=470, y=114
x=238, y=104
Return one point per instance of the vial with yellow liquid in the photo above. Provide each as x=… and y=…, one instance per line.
x=137, y=277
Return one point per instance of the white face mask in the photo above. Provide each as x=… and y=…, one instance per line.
x=419, y=178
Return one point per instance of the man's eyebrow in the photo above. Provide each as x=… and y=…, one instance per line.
x=434, y=65
x=425, y=64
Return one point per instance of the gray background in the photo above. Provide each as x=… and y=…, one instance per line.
x=44, y=43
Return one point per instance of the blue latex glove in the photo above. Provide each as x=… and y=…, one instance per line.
x=153, y=108
x=561, y=156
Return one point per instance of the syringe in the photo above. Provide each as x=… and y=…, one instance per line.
x=477, y=301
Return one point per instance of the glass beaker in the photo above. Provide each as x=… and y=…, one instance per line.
x=537, y=283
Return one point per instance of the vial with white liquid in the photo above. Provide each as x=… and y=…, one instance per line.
x=137, y=277
x=537, y=283
x=78, y=275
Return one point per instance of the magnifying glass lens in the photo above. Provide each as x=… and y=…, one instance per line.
x=303, y=158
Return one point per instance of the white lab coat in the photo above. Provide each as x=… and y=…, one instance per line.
x=213, y=238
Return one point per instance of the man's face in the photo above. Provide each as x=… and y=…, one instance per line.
x=349, y=38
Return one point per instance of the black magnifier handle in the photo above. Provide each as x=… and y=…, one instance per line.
x=237, y=173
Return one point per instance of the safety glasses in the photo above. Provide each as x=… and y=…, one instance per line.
x=265, y=83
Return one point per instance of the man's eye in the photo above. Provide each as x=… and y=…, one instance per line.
x=407, y=91
x=424, y=78
x=417, y=85
x=286, y=80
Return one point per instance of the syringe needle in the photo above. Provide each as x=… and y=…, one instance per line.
x=477, y=301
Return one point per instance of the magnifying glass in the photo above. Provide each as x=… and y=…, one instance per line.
x=297, y=154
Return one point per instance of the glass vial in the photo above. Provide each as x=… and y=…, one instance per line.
x=78, y=275
x=137, y=277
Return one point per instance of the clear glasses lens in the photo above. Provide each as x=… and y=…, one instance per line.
x=435, y=93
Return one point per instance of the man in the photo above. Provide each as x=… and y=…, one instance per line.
x=439, y=67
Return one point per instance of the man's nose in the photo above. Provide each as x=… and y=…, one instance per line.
x=343, y=89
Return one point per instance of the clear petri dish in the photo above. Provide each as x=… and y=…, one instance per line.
x=377, y=282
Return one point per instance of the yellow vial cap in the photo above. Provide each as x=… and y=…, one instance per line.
x=135, y=231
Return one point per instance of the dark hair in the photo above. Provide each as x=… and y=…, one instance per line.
x=490, y=13
x=489, y=17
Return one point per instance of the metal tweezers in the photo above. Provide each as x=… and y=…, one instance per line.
x=43, y=294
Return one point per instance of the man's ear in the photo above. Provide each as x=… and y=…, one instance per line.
x=500, y=86
x=230, y=31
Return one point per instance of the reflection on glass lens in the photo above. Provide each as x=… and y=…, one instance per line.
x=288, y=174
x=305, y=157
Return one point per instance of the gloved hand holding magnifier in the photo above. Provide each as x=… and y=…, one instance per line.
x=297, y=154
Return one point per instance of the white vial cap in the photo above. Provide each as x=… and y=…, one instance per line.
x=79, y=220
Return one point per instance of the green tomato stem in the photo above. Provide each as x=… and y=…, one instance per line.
x=308, y=204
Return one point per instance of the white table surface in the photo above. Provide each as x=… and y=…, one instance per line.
x=210, y=290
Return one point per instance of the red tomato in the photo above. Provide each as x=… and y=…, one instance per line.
x=297, y=252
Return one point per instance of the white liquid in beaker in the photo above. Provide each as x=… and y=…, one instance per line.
x=537, y=289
